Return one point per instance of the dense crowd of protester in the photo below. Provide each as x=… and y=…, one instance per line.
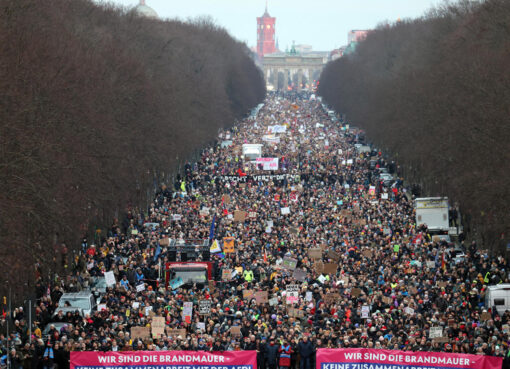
x=379, y=281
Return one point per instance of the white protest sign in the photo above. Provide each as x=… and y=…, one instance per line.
x=292, y=293
x=435, y=332
x=140, y=287
x=187, y=310
x=365, y=311
x=110, y=278
x=285, y=211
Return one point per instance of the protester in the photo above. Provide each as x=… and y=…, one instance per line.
x=366, y=276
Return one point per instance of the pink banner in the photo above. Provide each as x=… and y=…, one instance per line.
x=358, y=358
x=165, y=360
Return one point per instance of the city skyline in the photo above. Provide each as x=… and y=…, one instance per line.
x=323, y=25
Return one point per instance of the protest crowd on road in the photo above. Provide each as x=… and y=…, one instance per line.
x=325, y=256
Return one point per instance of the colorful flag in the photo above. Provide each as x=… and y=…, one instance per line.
x=215, y=247
x=211, y=230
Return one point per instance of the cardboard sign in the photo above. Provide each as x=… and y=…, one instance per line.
x=299, y=275
x=228, y=245
x=356, y=292
x=226, y=199
x=261, y=297
x=331, y=298
x=289, y=263
x=315, y=253
x=318, y=267
x=204, y=307
x=240, y=215
x=442, y=284
x=292, y=293
x=441, y=340
x=158, y=326
x=333, y=255
x=164, y=242
x=295, y=313
x=387, y=300
x=212, y=285
x=226, y=274
x=330, y=268
x=140, y=332
x=248, y=294
x=367, y=253
x=485, y=316
x=235, y=331
x=294, y=230
x=177, y=333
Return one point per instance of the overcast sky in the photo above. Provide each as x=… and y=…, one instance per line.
x=321, y=23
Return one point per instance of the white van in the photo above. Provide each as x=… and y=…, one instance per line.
x=83, y=300
x=498, y=296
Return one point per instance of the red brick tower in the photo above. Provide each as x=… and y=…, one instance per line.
x=265, y=34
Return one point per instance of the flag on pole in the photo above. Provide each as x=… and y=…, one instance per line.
x=157, y=252
x=211, y=230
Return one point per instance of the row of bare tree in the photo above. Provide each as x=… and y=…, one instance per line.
x=98, y=105
x=434, y=94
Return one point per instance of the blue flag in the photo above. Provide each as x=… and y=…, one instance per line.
x=211, y=230
x=157, y=252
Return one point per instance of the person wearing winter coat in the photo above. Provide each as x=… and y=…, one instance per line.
x=285, y=351
x=48, y=357
x=271, y=354
x=305, y=349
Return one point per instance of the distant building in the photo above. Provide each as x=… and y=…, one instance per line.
x=266, y=42
x=354, y=37
x=357, y=35
x=145, y=11
x=337, y=53
x=303, y=48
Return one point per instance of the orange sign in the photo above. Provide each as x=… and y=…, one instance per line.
x=228, y=245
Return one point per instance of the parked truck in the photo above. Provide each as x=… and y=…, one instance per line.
x=432, y=211
x=498, y=297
